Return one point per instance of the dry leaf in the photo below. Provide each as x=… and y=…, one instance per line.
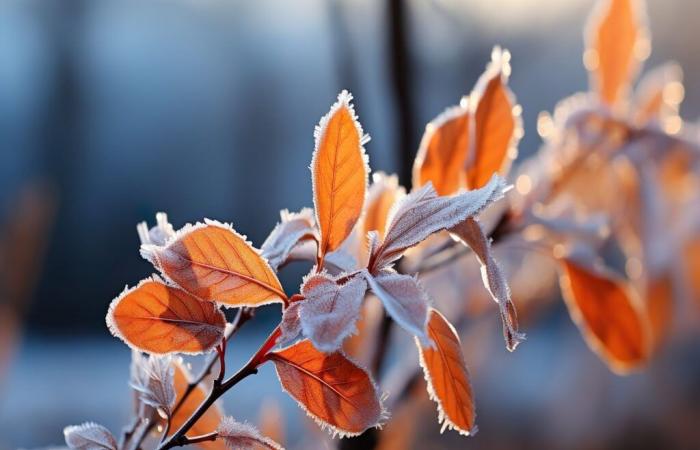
x=447, y=376
x=422, y=213
x=442, y=153
x=154, y=383
x=615, y=37
x=339, y=173
x=330, y=310
x=89, y=436
x=497, y=123
x=609, y=315
x=338, y=394
x=403, y=298
x=208, y=423
x=156, y=318
x=244, y=436
x=292, y=229
x=213, y=262
x=472, y=235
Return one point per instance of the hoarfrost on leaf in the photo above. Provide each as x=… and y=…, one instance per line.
x=244, y=436
x=89, y=436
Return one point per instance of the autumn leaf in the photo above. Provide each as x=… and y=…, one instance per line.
x=156, y=318
x=422, y=213
x=383, y=193
x=334, y=391
x=243, y=436
x=339, y=173
x=615, y=39
x=89, y=436
x=330, y=310
x=497, y=123
x=659, y=306
x=442, y=153
x=152, y=379
x=208, y=423
x=609, y=315
x=290, y=231
x=447, y=376
x=213, y=262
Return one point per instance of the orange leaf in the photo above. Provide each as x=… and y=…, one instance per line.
x=497, y=123
x=156, y=318
x=209, y=421
x=443, y=151
x=213, y=262
x=383, y=193
x=659, y=303
x=615, y=40
x=447, y=376
x=333, y=390
x=339, y=173
x=609, y=315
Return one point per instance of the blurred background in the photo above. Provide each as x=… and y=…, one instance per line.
x=112, y=110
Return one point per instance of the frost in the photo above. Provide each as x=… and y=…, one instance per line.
x=153, y=381
x=293, y=228
x=158, y=235
x=244, y=436
x=89, y=436
x=290, y=325
x=331, y=310
x=404, y=299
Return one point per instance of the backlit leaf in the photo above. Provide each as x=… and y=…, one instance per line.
x=338, y=394
x=442, y=153
x=89, y=436
x=615, y=45
x=243, y=436
x=659, y=94
x=383, y=193
x=330, y=310
x=213, y=262
x=609, y=315
x=497, y=123
x=293, y=228
x=156, y=318
x=339, y=173
x=447, y=376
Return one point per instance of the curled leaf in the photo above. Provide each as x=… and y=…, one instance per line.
x=403, y=298
x=89, y=436
x=497, y=123
x=339, y=173
x=609, y=315
x=213, y=262
x=330, y=311
x=472, y=235
x=156, y=318
x=447, y=376
x=338, y=394
x=244, y=436
x=422, y=213
x=292, y=229
x=615, y=40
x=442, y=153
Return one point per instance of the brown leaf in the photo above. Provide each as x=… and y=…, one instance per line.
x=615, y=37
x=213, y=262
x=609, y=315
x=497, y=123
x=338, y=394
x=447, y=376
x=442, y=153
x=156, y=318
x=208, y=423
x=339, y=173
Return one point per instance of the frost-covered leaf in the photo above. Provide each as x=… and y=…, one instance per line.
x=213, y=262
x=447, y=376
x=615, y=35
x=337, y=393
x=156, y=318
x=383, y=193
x=244, y=436
x=658, y=95
x=609, y=314
x=422, y=213
x=330, y=310
x=292, y=228
x=155, y=383
x=403, y=298
x=158, y=235
x=472, y=235
x=89, y=436
x=497, y=123
x=442, y=154
x=339, y=173
x=290, y=326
